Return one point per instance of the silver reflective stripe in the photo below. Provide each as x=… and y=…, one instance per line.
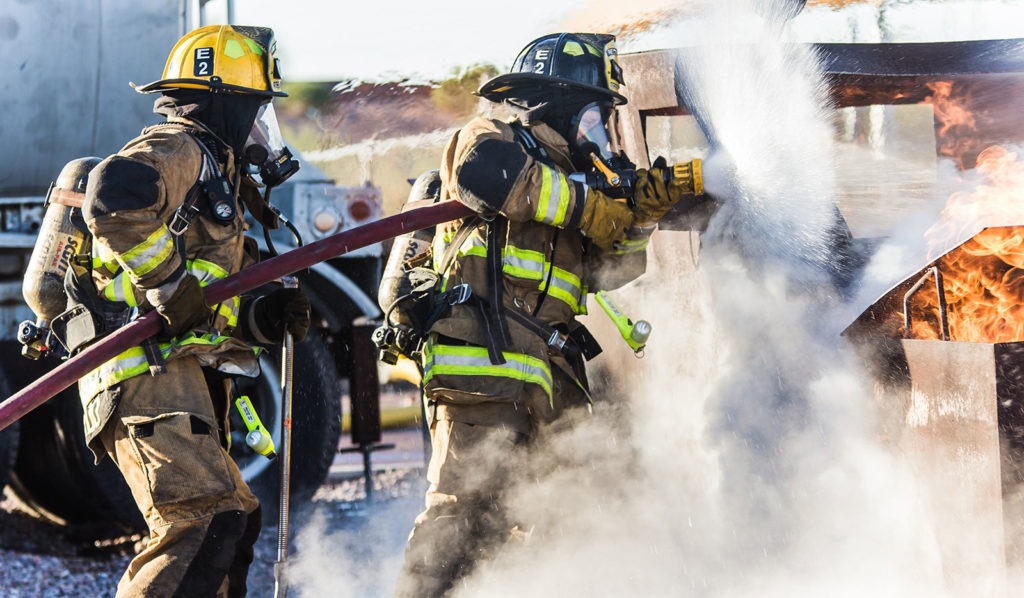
x=473, y=361
x=146, y=256
x=553, y=202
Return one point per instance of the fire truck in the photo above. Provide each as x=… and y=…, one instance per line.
x=68, y=97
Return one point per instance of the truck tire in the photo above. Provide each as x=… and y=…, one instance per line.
x=54, y=474
x=316, y=425
x=8, y=441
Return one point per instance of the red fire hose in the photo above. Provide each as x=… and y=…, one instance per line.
x=147, y=325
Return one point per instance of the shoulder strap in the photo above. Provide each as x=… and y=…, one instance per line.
x=465, y=229
x=189, y=208
x=526, y=139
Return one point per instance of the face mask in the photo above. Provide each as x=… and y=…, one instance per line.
x=265, y=149
x=590, y=134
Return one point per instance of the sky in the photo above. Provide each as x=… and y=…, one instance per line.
x=370, y=40
x=331, y=40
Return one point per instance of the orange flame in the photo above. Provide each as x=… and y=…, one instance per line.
x=984, y=277
x=956, y=126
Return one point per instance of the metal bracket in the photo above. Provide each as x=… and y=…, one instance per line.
x=939, y=291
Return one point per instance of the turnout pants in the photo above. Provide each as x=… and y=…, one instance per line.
x=203, y=520
x=478, y=451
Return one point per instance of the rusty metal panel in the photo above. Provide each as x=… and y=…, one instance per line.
x=950, y=440
x=650, y=79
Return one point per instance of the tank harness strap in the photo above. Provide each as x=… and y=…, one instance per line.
x=495, y=324
x=189, y=208
x=460, y=293
x=66, y=197
x=530, y=144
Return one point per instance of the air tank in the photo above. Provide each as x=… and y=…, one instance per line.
x=58, y=241
x=394, y=283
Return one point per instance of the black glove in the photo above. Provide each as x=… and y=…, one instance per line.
x=186, y=309
x=280, y=309
x=654, y=197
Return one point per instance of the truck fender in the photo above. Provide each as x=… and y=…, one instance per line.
x=364, y=303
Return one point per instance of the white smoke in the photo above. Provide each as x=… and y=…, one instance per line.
x=750, y=464
x=747, y=460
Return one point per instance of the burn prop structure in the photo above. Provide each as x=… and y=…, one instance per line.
x=945, y=343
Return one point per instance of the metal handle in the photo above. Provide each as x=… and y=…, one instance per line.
x=287, y=369
x=939, y=291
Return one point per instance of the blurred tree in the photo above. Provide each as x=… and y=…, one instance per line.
x=455, y=95
x=303, y=95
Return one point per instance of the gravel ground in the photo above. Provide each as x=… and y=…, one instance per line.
x=341, y=545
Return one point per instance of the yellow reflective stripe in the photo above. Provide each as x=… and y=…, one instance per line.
x=102, y=259
x=552, y=210
x=566, y=287
x=473, y=361
x=205, y=271
x=146, y=256
x=631, y=245
x=229, y=310
x=527, y=264
x=133, y=363
x=127, y=365
x=208, y=272
x=524, y=263
x=120, y=289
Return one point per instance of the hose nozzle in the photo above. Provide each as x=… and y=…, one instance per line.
x=689, y=175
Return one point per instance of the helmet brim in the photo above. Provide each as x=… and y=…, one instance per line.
x=515, y=85
x=170, y=84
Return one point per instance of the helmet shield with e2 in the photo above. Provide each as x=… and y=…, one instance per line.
x=585, y=63
x=222, y=58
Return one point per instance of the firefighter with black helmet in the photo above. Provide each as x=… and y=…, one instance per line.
x=503, y=364
x=165, y=215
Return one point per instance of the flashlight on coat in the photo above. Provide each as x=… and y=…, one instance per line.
x=634, y=333
x=257, y=438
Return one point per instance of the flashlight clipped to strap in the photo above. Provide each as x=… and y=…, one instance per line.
x=635, y=334
x=257, y=438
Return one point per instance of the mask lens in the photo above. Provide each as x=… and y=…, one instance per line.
x=266, y=132
x=592, y=130
x=266, y=150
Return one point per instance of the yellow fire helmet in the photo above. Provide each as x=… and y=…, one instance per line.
x=585, y=62
x=222, y=58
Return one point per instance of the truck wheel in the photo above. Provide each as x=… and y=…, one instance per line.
x=55, y=477
x=316, y=424
x=8, y=451
x=8, y=441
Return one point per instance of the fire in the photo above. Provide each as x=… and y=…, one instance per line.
x=984, y=277
x=994, y=198
x=983, y=281
x=955, y=125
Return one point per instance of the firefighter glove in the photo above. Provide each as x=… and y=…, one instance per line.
x=185, y=309
x=279, y=310
x=654, y=196
x=604, y=220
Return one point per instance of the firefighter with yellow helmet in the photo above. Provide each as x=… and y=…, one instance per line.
x=165, y=215
x=504, y=363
